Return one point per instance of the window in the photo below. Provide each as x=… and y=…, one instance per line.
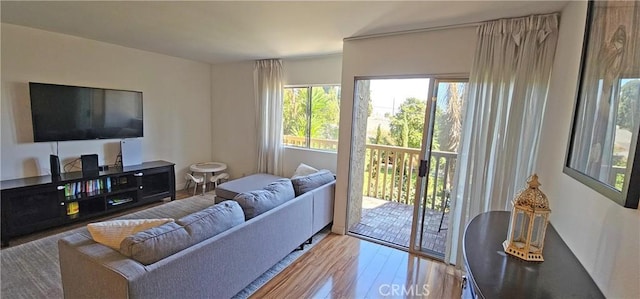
x=310, y=116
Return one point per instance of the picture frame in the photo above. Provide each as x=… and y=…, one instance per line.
x=603, y=151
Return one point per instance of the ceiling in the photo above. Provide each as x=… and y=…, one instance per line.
x=226, y=31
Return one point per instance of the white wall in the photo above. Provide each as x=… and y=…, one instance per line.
x=234, y=117
x=234, y=112
x=177, y=99
x=313, y=70
x=603, y=235
x=426, y=53
x=293, y=156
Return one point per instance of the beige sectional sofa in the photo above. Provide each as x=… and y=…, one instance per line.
x=211, y=267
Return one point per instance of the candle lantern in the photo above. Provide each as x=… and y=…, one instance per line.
x=528, y=223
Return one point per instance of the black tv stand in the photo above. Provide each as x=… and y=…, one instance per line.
x=37, y=203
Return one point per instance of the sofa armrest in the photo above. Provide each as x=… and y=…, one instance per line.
x=323, y=204
x=92, y=270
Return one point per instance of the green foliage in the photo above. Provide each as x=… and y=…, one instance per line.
x=629, y=109
x=294, y=112
x=449, y=124
x=437, y=130
x=382, y=137
x=408, y=123
x=325, y=112
x=619, y=181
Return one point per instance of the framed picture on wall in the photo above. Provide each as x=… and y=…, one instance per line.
x=603, y=145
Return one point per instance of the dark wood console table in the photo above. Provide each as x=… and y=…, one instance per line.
x=37, y=203
x=494, y=274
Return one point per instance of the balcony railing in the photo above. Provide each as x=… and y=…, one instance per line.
x=321, y=144
x=391, y=172
x=616, y=176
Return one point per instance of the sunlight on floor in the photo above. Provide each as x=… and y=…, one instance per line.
x=372, y=203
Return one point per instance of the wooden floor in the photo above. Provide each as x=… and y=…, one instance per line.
x=347, y=267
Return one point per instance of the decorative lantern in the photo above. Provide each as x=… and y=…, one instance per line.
x=528, y=224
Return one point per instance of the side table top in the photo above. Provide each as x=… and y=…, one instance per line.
x=495, y=274
x=208, y=167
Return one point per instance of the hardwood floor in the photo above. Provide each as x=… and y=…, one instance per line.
x=347, y=267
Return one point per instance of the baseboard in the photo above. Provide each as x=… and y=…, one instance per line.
x=340, y=230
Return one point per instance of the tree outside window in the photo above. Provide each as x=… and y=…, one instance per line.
x=311, y=116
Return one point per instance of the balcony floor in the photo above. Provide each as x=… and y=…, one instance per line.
x=391, y=222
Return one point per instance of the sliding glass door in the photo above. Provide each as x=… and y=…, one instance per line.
x=398, y=130
x=437, y=167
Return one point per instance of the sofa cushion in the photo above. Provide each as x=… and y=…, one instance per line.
x=302, y=170
x=211, y=221
x=152, y=245
x=111, y=233
x=256, y=202
x=230, y=189
x=304, y=184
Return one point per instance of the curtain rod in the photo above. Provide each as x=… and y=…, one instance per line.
x=474, y=24
x=463, y=25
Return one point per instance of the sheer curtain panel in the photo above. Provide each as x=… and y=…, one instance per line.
x=268, y=87
x=508, y=88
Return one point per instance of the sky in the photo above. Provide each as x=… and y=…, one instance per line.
x=388, y=94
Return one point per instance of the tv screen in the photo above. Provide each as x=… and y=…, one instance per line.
x=61, y=113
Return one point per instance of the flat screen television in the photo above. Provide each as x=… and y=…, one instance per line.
x=61, y=113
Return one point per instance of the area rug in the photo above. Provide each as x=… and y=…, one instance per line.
x=32, y=270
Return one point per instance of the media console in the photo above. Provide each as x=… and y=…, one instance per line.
x=37, y=203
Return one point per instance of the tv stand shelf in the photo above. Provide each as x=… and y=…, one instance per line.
x=37, y=203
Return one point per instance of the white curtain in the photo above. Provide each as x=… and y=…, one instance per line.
x=508, y=88
x=268, y=88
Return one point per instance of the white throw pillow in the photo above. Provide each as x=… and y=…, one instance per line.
x=303, y=170
x=111, y=233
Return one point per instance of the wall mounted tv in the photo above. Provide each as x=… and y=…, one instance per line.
x=61, y=113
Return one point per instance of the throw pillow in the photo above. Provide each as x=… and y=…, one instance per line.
x=302, y=170
x=213, y=220
x=302, y=185
x=111, y=233
x=254, y=203
x=154, y=244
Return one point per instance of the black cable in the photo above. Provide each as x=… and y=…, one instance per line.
x=72, y=166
